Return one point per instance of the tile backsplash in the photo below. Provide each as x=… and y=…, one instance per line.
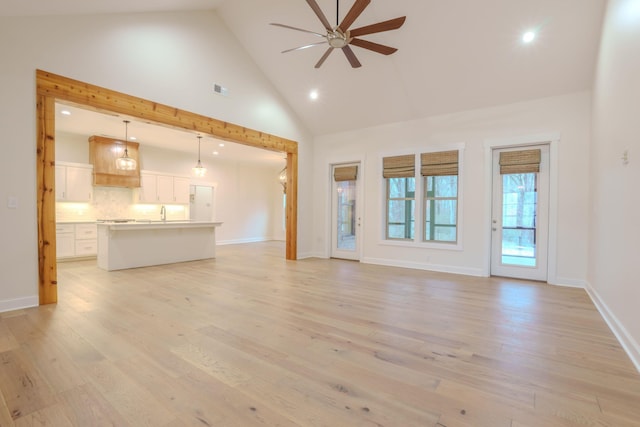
x=115, y=203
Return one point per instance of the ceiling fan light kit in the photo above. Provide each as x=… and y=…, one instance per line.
x=340, y=37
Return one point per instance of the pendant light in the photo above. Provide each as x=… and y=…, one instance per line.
x=199, y=170
x=125, y=162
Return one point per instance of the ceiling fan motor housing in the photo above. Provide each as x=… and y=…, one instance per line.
x=337, y=39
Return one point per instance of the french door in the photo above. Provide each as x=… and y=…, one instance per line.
x=345, y=222
x=520, y=212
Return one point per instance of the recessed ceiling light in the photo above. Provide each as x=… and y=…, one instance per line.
x=132, y=138
x=528, y=37
x=313, y=95
x=215, y=153
x=221, y=144
x=65, y=112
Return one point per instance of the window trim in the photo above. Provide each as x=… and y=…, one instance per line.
x=407, y=212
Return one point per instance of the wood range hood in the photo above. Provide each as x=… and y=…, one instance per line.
x=103, y=153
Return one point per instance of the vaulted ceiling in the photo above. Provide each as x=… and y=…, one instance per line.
x=453, y=55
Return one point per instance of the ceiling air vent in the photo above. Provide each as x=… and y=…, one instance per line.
x=220, y=89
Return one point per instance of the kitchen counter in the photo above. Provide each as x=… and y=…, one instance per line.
x=146, y=243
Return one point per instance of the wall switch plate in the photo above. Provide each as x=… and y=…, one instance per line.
x=12, y=202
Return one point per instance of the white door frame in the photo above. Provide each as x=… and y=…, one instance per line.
x=359, y=206
x=552, y=139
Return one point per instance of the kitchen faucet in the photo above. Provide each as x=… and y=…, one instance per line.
x=163, y=213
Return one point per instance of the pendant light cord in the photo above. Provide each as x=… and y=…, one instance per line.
x=337, y=12
x=126, y=138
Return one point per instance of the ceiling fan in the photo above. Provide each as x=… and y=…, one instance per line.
x=340, y=37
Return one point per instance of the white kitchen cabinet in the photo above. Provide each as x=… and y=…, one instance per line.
x=163, y=189
x=73, y=183
x=65, y=240
x=148, y=191
x=76, y=240
x=180, y=190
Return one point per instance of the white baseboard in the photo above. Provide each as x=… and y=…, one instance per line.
x=19, y=303
x=570, y=283
x=628, y=343
x=477, y=272
x=306, y=255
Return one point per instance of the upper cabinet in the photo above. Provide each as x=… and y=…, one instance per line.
x=181, y=190
x=161, y=188
x=103, y=153
x=73, y=182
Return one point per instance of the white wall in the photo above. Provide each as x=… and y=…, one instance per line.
x=171, y=58
x=615, y=202
x=567, y=115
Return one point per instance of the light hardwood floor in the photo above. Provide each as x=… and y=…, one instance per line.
x=251, y=339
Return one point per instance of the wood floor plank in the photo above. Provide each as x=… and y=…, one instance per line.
x=250, y=339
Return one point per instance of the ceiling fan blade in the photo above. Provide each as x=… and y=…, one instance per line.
x=392, y=24
x=351, y=57
x=380, y=48
x=324, y=57
x=320, y=14
x=358, y=7
x=304, y=47
x=298, y=29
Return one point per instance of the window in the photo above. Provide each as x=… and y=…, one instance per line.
x=399, y=172
x=440, y=208
x=401, y=194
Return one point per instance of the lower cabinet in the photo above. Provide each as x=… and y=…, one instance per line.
x=65, y=240
x=76, y=240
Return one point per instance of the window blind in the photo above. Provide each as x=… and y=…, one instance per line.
x=345, y=173
x=523, y=161
x=440, y=163
x=399, y=166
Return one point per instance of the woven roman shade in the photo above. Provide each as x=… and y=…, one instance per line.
x=345, y=173
x=441, y=163
x=399, y=166
x=524, y=161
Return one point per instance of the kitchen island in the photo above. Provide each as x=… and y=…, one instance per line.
x=146, y=243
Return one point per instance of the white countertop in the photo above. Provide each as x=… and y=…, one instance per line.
x=149, y=224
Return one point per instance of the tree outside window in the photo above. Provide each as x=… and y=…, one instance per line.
x=401, y=193
x=441, y=208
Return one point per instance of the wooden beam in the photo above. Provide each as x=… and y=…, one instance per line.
x=46, y=203
x=74, y=91
x=291, y=207
x=52, y=88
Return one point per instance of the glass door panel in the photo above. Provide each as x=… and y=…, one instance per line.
x=519, y=208
x=345, y=217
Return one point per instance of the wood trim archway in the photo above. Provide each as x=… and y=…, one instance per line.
x=51, y=88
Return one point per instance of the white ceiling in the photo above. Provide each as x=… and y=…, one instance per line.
x=88, y=7
x=85, y=122
x=453, y=55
